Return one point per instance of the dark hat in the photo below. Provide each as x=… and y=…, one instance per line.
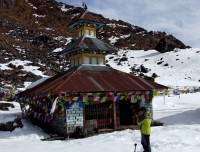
x=143, y=109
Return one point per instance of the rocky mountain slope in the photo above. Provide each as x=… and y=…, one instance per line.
x=32, y=29
x=174, y=68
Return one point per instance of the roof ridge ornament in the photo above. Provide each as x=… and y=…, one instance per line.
x=84, y=6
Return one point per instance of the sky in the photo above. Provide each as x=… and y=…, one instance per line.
x=181, y=18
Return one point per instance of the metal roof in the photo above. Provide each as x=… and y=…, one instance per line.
x=90, y=78
x=86, y=17
x=88, y=44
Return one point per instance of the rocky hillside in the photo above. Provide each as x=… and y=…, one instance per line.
x=32, y=29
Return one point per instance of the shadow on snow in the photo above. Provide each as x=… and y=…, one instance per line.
x=185, y=118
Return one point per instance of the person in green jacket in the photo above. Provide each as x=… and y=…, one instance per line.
x=144, y=121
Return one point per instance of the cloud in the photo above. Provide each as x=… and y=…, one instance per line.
x=177, y=17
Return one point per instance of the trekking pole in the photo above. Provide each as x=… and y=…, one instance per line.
x=135, y=147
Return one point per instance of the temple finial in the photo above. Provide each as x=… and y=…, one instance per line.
x=84, y=6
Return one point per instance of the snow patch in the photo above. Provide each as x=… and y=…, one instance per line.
x=125, y=36
x=64, y=9
x=63, y=39
x=36, y=15
x=57, y=50
x=74, y=15
x=28, y=68
x=111, y=25
x=59, y=38
x=122, y=25
x=113, y=40
x=49, y=29
x=133, y=27
x=69, y=39
x=31, y=5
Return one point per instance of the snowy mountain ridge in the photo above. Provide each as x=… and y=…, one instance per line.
x=176, y=68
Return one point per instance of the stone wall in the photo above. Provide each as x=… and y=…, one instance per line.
x=67, y=123
x=59, y=125
x=74, y=117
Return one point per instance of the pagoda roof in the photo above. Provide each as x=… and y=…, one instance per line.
x=88, y=44
x=86, y=17
x=93, y=78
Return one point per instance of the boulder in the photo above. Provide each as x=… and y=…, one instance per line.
x=111, y=57
x=1, y=72
x=154, y=75
x=20, y=67
x=160, y=62
x=50, y=72
x=143, y=69
x=161, y=46
x=11, y=125
x=123, y=59
x=10, y=65
x=31, y=77
x=5, y=106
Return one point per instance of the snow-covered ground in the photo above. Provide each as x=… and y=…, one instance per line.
x=176, y=68
x=181, y=132
x=28, y=68
x=180, y=114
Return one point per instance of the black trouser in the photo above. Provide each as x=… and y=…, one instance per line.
x=146, y=143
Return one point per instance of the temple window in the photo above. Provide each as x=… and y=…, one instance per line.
x=101, y=61
x=94, y=60
x=86, y=60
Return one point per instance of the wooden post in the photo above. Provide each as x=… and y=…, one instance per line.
x=114, y=115
x=164, y=97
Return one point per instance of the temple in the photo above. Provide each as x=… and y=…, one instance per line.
x=89, y=95
x=86, y=48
